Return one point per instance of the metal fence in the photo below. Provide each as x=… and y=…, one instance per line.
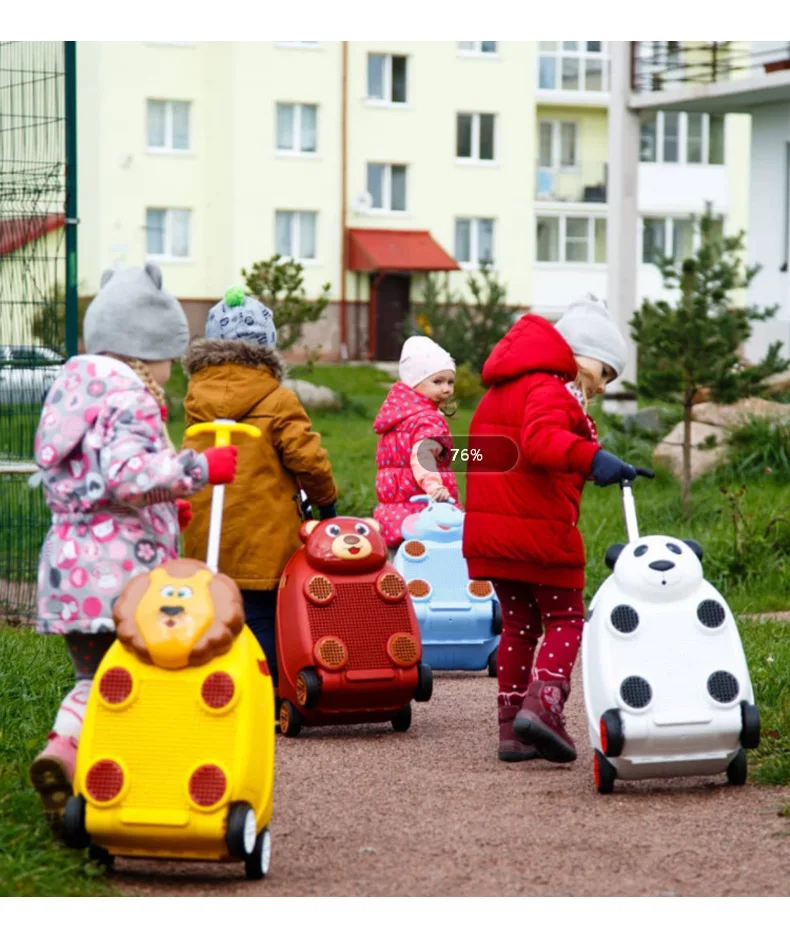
x=35, y=281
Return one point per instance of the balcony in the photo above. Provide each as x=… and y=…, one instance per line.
x=713, y=77
x=581, y=184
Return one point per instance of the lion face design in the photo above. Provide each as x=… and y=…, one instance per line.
x=344, y=544
x=179, y=614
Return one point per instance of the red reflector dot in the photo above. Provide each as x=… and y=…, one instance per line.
x=116, y=685
x=217, y=690
x=104, y=781
x=207, y=785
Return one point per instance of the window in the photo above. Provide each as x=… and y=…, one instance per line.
x=558, y=144
x=477, y=48
x=671, y=137
x=168, y=232
x=387, y=78
x=475, y=137
x=576, y=239
x=474, y=240
x=387, y=186
x=573, y=66
x=678, y=238
x=295, y=234
x=169, y=126
x=297, y=128
x=653, y=239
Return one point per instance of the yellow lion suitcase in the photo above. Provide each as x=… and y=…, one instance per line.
x=176, y=758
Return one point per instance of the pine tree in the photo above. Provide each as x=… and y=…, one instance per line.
x=693, y=342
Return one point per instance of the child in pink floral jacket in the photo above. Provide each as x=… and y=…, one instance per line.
x=414, y=443
x=111, y=479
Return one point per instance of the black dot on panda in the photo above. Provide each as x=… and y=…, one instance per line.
x=711, y=613
x=723, y=686
x=640, y=550
x=625, y=619
x=674, y=548
x=636, y=692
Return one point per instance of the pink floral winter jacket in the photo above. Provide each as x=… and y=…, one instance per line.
x=110, y=479
x=405, y=419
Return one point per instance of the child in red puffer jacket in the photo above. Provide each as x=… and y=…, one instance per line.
x=521, y=529
x=408, y=464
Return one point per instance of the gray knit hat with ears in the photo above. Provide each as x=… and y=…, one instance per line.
x=591, y=332
x=133, y=316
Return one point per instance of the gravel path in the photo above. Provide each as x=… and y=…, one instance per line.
x=365, y=812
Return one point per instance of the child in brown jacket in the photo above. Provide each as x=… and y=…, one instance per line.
x=235, y=373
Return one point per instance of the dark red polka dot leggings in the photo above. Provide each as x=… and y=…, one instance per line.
x=528, y=612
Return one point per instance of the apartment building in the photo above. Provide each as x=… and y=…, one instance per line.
x=376, y=164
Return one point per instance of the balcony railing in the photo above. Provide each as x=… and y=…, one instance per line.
x=658, y=66
x=583, y=183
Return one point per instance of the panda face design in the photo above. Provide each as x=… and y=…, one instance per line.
x=658, y=568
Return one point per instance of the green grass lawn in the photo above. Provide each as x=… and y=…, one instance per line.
x=34, y=671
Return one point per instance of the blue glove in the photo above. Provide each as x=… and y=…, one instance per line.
x=608, y=469
x=326, y=513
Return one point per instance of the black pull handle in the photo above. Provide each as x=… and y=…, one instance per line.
x=640, y=472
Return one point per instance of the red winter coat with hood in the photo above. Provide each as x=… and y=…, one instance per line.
x=522, y=524
x=406, y=417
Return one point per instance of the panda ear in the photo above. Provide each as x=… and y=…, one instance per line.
x=613, y=554
x=695, y=547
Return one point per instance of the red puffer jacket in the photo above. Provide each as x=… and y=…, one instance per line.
x=406, y=418
x=521, y=524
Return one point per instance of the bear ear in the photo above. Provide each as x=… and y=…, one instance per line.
x=105, y=278
x=613, y=554
x=373, y=523
x=695, y=547
x=306, y=529
x=155, y=273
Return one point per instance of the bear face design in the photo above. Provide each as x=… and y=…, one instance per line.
x=657, y=568
x=344, y=544
x=438, y=523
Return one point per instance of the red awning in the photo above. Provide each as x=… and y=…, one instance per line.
x=371, y=250
x=16, y=232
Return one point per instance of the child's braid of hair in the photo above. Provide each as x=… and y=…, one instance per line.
x=157, y=392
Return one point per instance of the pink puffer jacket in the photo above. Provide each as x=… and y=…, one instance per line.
x=406, y=418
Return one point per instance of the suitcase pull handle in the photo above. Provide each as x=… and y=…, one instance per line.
x=629, y=507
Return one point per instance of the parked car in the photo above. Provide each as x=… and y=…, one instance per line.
x=27, y=372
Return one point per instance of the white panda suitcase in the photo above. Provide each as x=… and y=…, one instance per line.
x=666, y=684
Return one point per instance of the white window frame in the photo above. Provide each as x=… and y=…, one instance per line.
x=168, y=256
x=386, y=189
x=683, y=142
x=474, y=261
x=297, y=147
x=477, y=50
x=563, y=240
x=474, y=159
x=556, y=145
x=669, y=232
x=386, y=100
x=168, y=149
x=296, y=223
x=582, y=55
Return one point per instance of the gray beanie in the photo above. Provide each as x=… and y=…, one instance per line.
x=133, y=316
x=239, y=317
x=591, y=332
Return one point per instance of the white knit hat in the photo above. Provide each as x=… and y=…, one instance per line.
x=421, y=358
x=591, y=332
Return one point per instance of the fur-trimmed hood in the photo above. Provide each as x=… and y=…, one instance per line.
x=213, y=352
x=229, y=379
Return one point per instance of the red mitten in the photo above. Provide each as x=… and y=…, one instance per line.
x=221, y=464
x=184, y=514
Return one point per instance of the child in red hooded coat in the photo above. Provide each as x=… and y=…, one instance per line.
x=521, y=529
x=414, y=434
